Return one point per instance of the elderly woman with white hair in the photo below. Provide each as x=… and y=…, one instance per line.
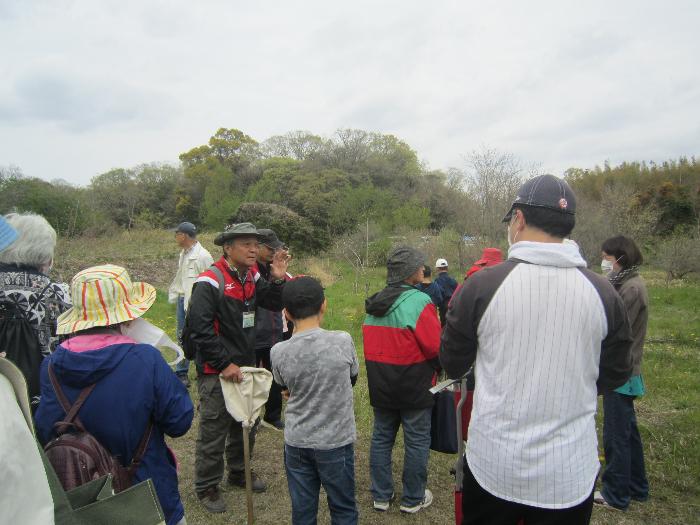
x=30, y=302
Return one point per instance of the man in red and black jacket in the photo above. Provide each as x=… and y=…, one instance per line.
x=223, y=330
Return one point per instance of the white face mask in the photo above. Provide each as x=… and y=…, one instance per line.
x=515, y=237
x=606, y=265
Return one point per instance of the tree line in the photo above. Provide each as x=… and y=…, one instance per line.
x=316, y=190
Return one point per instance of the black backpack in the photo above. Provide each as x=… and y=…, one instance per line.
x=189, y=347
x=20, y=340
x=77, y=456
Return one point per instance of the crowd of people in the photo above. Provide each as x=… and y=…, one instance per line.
x=539, y=334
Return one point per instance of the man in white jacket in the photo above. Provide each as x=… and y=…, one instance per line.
x=194, y=259
x=546, y=336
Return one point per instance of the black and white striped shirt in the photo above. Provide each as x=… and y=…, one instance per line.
x=546, y=334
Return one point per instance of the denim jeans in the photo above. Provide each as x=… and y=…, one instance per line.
x=416, y=438
x=183, y=367
x=624, y=477
x=308, y=469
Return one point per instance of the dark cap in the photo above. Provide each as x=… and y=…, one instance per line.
x=545, y=191
x=302, y=295
x=402, y=263
x=269, y=238
x=187, y=228
x=242, y=229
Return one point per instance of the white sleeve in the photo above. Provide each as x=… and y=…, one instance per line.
x=25, y=497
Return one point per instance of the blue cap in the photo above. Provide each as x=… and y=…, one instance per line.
x=8, y=235
x=187, y=228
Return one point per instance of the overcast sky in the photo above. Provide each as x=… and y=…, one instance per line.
x=90, y=85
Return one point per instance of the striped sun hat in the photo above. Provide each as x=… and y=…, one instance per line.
x=103, y=296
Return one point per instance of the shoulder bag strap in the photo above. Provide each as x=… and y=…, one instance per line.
x=222, y=282
x=70, y=410
x=140, y=450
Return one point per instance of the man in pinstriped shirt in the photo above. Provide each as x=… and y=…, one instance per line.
x=546, y=336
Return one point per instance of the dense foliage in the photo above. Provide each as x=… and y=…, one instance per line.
x=318, y=192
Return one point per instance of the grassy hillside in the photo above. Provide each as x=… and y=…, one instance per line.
x=669, y=417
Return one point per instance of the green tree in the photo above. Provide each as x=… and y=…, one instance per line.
x=228, y=148
x=289, y=226
x=67, y=208
x=220, y=199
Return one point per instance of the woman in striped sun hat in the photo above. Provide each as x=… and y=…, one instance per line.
x=133, y=383
x=105, y=296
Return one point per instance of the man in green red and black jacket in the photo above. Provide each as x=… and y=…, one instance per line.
x=401, y=345
x=223, y=330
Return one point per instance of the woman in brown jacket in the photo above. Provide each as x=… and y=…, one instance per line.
x=625, y=478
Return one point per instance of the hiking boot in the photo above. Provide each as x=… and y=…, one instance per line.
x=383, y=506
x=427, y=500
x=277, y=424
x=212, y=501
x=237, y=479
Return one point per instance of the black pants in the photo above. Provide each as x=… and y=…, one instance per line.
x=481, y=507
x=273, y=407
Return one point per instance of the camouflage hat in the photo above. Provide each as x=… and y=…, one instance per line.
x=242, y=229
x=402, y=263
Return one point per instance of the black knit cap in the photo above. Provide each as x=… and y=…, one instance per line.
x=402, y=263
x=545, y=191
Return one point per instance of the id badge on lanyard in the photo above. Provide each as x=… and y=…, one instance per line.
x=249, y=314
x=248, y=319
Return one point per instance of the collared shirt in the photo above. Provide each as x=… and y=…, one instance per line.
x=191, y=263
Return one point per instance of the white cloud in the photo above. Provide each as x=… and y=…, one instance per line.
x=107, y=84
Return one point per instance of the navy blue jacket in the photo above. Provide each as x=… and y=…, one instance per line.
x=269, y=329
x=134, y=383
x=448, y=285
x=433, y=290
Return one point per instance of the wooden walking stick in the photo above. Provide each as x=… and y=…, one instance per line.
x=248, y=475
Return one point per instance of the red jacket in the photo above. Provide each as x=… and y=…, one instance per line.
x=217, y=329
x=401, y=344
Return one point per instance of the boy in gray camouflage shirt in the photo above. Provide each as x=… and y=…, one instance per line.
x=319, y=368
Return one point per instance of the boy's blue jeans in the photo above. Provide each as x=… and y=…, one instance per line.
x=416, y=438
x=308, y=469
x=183, y=367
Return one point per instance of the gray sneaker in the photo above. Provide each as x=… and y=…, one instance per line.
x=383, y=506
x=212, y=501
x=427, y=500
x=237, y=479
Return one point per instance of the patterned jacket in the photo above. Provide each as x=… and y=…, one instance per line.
x=39, y=298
